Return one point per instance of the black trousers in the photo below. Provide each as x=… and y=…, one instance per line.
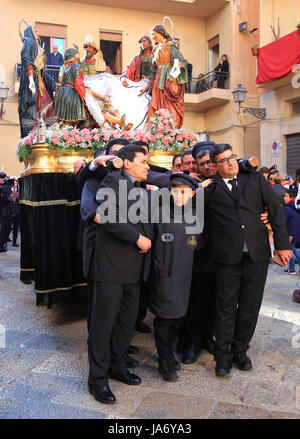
x=111, y=327
x=15, y=227
x=4, y=231
x=197, y=326
x=240, y=289
x=142, y=311
x=165, y=334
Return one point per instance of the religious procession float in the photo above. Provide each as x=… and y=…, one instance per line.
x=62, y=122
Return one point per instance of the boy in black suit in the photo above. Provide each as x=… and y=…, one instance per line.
x=171, y=270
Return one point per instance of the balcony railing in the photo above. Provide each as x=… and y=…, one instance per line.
x=206, y=82
x=52, y=70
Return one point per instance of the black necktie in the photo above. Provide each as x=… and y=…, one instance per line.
x=137, y=184
x=234, y=187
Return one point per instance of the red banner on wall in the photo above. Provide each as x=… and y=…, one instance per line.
x=279, y=58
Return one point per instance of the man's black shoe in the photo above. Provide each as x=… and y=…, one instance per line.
x=142, y=327
x=9, y=240
x=190, y=355
x=173, y=362
x=223, y=368
x=126, y=378
x=3, y=250
x=167, y=372
x=103, y=395
x=242, y=361
x=132, y=350
x=15, y=244
x=129, y=361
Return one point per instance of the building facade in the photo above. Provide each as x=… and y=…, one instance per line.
x=204, y=31
x=280, y=87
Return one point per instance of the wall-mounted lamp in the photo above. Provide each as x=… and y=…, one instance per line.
x=239, y=96
x=3, y=95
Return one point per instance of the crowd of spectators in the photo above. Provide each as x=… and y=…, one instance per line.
x=9, y=211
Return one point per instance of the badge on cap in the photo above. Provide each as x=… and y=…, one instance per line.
x=192, y=240
x=167, y=237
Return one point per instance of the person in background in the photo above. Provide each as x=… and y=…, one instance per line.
x=176, y=163
x=201, y=84
x=55, y=59
x=15, y=211
x=5, y=197
x=197, y=326
x=222, y=71
x=189, y=77
x=278, y=188
x=271, y=178
x=294, y=184
x=189, y=164
x=265, y=172
x=293, y=228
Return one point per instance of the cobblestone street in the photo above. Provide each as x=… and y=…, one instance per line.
x=44, y=364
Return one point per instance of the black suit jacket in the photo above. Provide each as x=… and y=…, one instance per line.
x=116, y=257
x=236, y=221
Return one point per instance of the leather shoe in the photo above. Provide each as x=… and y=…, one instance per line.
x=223, y=368
x=242, y=361
x=142, y=327
x=167, y=372
x=103, y=395
x=129, y=361
x=126, y=378
x=173, y=362
x=132, y=350
x=15, y=245
x=190, y=355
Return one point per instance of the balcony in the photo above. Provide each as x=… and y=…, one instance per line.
x=204, y=94
x=52, y=70
x=281, y=82
x=279, y=62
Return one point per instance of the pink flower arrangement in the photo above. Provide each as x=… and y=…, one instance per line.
x=161, y=133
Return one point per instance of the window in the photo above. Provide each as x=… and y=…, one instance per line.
x=293, y=152
x=111, y=47
x=296, y=108
x=213, y=53
x=52, y=35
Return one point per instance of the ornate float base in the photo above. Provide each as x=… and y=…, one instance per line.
x=42, y=159
x=162, y=158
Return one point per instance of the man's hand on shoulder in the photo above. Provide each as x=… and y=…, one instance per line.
x=78, y=165
x=285, y=255
x=144, y=244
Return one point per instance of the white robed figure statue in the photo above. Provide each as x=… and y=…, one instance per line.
x=127, y=101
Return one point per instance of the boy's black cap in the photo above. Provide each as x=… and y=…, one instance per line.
x=201, y=146
x=185, y=179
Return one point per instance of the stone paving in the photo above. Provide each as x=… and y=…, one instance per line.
x=44, y=365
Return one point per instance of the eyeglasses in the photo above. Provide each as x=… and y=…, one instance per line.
x=208, y=162
x=177, y=166
x=232, y=158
